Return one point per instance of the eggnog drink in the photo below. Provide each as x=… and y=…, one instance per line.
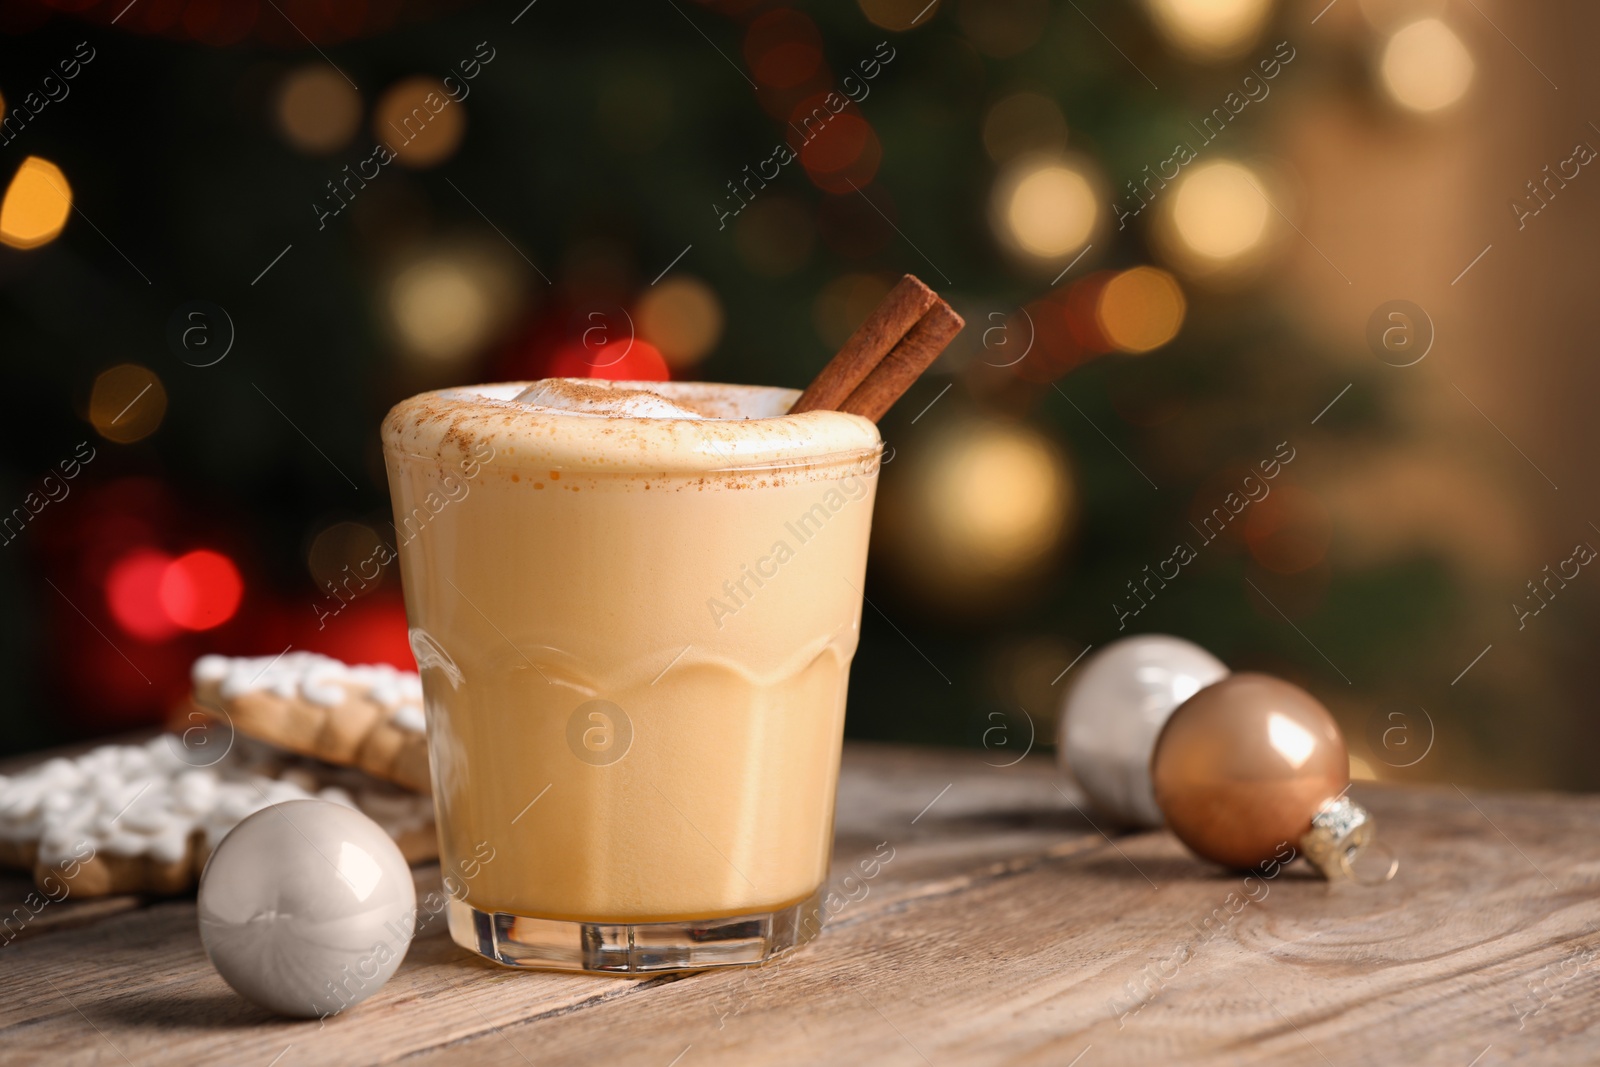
x=634, y=607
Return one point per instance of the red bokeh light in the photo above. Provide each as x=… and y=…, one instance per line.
x=1055, y=350
x=1083, y=299
x=200, y=590
x=1289, y=531
x=838, y=148
x=133, y=594
x=630, y=360
x=153, y=596
x=783, y=48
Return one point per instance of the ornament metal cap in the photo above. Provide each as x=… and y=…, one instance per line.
x=1340, y=830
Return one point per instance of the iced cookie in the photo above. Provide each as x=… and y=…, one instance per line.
x=404, y=815
x=142, y=818
x=368, y=717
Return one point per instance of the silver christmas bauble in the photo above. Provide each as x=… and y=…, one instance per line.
x=1116, y=708
x=307, y=907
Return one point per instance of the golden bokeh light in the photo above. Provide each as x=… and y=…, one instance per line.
x=1425, y=67
x=36, y=204
x=899, y=15
x=1140, y=309
x=1210, y=29
x=317, y=111
x=973, y=512
x=1219, y=211
x=1044, y=209
x=994, y=498
x=127, y=403
x=682, y=317
x=419, y=121
x=1023, y=123
x=445, y=305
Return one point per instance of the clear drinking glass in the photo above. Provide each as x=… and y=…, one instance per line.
x=635, y=638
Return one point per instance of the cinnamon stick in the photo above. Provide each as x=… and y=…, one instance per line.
x=915, y=353
x=872, y=341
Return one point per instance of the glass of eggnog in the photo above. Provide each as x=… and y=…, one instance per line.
x=634, y=607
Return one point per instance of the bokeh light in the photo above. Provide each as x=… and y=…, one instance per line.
x=417, y=118
x=1219, y=212
x=317, y=111
x=133, y=594
x=444, y=304
x=200, y=590
x=346, y=555
x=1002, y=503
x=682, y=317
x=982, y=506
x=1140, y=309
x=843, y=152
x=1288, y=531
x=622, y=360
x=1209, y=29
x=1003, y=28
x=783, y=49
x=127, y=403
x=153, y=596
x=1003, y=499
x=1425, y=67
x=1044, y=209
x=899, y=15
x=1023, y=123
x=36, y=204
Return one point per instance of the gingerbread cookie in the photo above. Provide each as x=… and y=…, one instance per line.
x=142, y=818
x=368, y=717
x=404, y=815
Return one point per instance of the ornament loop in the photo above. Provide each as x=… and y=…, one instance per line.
x=1347, y=863
x=1339, y=832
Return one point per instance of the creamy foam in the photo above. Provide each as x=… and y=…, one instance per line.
x=620, y=427
x=584, y=396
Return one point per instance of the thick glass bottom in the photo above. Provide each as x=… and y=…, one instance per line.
x=634, y=948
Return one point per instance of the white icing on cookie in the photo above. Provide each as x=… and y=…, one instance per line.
x=144, y=800
x=319, y=680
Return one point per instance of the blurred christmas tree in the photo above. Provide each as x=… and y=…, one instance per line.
x=423, y=197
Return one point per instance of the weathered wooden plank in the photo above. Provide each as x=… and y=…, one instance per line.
x=140, y=986
x=1032, y=964
x=1004, y=929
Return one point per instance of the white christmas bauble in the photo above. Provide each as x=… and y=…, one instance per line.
x=307, y=907
x=1115, y=710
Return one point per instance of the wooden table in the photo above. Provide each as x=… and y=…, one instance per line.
x=1005, y=929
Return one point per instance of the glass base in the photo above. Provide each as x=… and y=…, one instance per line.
x=635, y=948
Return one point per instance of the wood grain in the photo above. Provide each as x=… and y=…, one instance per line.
x=1005, y=929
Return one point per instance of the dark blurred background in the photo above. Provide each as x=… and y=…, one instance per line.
x=1346, y=240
